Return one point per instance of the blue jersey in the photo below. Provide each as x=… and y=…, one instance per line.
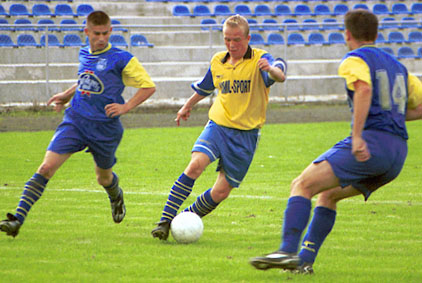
x=389, y=79
x=100, y=82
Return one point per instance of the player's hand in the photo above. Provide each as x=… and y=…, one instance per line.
x=360, y=149
x=183, y=114
x=115, y=109
x=59, y=100
x=264, y=65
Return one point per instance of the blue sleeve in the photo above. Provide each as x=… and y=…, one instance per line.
x=206, y=86
x=279, y=63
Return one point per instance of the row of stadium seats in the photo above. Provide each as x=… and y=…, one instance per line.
x=40, y=10
x=28, y=40
x=333, y=38
x=312, y=24
x=24, y=24
x=299, y=10
x=405, y=52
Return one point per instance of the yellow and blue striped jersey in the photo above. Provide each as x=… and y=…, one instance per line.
x=243, y=89
x=393, y=89
x=102, y=77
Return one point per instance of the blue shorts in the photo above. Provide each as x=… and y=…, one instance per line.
x=76, y=133
x=388, y=153
x=235, y=149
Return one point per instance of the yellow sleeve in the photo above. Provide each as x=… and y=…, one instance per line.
x=415, y=91
x=135, y=75
x=353, y=69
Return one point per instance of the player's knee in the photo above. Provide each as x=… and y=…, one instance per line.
x=104, y=180
x=194, y=169
x=46, y=170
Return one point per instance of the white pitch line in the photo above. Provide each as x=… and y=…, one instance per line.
x=355, y=200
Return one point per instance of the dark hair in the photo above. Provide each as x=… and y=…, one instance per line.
x=362, y=24
x=98, y=18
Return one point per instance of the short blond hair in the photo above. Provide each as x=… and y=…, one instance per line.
x=237, y=21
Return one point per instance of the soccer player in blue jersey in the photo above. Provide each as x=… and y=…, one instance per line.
x=382, y=95
x=243, y=76
x=92, y=121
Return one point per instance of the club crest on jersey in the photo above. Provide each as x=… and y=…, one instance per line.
x=89, y=83
x=101, y=64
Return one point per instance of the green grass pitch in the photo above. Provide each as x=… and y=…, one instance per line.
x=69, y=235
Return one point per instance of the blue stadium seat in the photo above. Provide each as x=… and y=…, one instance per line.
x=396, y=37
x=414, y=36
x=3, y=11
x=205, y=22
x=201, y=11
x=388, y=23
x=22, y=22
x=310, y=24
x=388, y=50
x=64, y=10
x=263, y=10
x=361, y=6
x=322, y=10
x=52, y=41
x=295, y=39
x=256, y=39
x=69, y=25
x=408, y=22
x=140, y=40
x=336, y=38
x=47, y=22
x=419, y=53
x=381, y=39
x=222, y=10
x=26, y=40
x=302, y=10
x=181, y=10
x=415, y=8
x=380, y=9
x=5, y=22
x=116, y=26
x=84, y=10
x=118, y=40
x=70, y=40
x=399, y=9
x=19, y=10
x=282, y=10
x=275, y=39
x=269, y=24
x=253, y=24
x=331, y=23
x=39, y=10
x=405, y=52
x=6, y=41
x=243, y=9
x=316, y=38
x=340, y=9
x=291, y=24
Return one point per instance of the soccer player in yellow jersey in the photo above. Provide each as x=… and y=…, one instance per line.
x=243, y=76
x=382, y=96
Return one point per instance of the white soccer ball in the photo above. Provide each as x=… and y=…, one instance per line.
x=187, y=227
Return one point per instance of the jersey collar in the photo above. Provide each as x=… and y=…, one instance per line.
x=248, y=55
x=102, y=51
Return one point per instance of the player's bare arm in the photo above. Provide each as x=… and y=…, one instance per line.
x=60, y=99
x=184, y=112
x=361, y=103
x=275, y=73
x=116, y=109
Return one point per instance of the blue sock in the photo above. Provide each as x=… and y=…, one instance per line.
x=296, y=218
x=321, y=225
x=178, y=194
x=33, y=190
x=203, y=205
x=113, y=190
